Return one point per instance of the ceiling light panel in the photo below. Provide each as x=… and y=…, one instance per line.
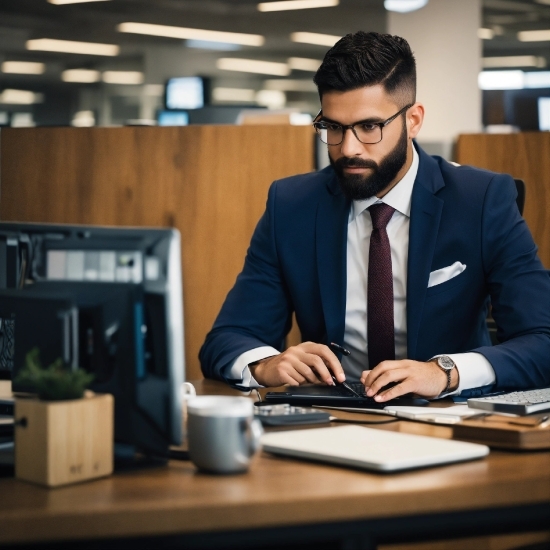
x=404, y=6
x=289, y=85
x=485, y=34
x=253, y=66
x=234, y=94
x=534, y=36
x=514, y=61
x=20, y=97
x=80, y=75
x=122, y=77
x=314, y=38
x=304, y=64
x=184, y=33
x=296, y=5
x=61, y=2
x=501, y=80
x=69, y=46
x=23, y=67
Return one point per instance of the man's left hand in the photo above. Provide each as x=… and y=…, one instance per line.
x=423, y=379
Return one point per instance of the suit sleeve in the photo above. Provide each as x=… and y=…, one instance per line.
x=257, y=311
x=519, y=287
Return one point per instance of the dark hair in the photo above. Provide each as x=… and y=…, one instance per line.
x=366, y=59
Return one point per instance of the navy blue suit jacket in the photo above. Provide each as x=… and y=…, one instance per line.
x=297, y=262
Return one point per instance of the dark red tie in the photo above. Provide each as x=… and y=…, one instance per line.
x=380, y=328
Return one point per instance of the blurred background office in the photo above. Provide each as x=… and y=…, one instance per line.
x=482, y=64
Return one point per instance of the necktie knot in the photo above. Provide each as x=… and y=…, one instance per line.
x=380, y=214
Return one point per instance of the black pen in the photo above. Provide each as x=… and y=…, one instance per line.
x=340, y=348
x=345, y=351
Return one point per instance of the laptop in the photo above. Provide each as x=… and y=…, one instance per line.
x=370, y=449
x=318, y=395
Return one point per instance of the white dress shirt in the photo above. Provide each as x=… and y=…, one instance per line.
x=474, y=369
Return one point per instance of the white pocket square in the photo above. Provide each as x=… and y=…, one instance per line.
x=445, y=274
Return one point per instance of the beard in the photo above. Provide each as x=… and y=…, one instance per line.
x=357, y=187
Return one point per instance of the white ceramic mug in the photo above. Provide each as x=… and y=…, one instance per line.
x=187, y=391
x=223, y=435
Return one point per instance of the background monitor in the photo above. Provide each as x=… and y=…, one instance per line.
x=108, y=300
x=544, y=113
x=173, y=118
x=189, y=92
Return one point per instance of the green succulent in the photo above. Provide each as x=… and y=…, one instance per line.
x=54, y=383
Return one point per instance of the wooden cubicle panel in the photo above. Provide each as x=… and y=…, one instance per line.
x=526, y=156
x=210, y=182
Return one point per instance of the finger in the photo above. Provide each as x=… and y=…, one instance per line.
x=320, y=368
x=329, y=358
x=395, y=375
x=364, y=375
x=395, y=391
x=381, y=368
x=295, y=375
x=307, y=372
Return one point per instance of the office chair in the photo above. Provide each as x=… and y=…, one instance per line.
x=520, y=201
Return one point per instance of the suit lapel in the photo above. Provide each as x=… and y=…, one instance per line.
x=426, y=211
x=331, y=248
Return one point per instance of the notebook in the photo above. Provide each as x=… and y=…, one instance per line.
x=335, y=396
x=370, y=449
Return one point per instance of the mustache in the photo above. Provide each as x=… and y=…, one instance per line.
x=345, y=162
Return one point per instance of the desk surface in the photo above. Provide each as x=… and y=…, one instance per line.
x=177, y=499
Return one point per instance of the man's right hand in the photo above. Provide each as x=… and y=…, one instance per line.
x=305, y=363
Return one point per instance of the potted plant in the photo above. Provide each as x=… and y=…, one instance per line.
x=63, y=434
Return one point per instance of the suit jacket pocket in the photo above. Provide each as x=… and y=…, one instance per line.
x=453, y=283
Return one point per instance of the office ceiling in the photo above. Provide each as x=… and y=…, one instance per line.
x=22, y=20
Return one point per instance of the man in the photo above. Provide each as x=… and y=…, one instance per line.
x=388, y=252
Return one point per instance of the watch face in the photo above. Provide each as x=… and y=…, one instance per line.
x=446, y=363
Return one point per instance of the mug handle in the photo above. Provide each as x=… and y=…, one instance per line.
x=254, y=433
x=187, y=390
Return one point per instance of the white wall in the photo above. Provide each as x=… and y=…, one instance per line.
x=443, y=37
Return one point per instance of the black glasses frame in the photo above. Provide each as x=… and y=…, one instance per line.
x=318, y=128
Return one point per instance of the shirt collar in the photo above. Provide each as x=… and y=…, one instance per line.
x=399, y=197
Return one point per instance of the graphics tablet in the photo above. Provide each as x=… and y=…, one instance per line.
x=336, y=396
x=370, y=449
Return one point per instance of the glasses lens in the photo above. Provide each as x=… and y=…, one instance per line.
x=368, y=133
x=331, y=134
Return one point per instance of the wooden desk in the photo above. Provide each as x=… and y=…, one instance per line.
x=282, y=501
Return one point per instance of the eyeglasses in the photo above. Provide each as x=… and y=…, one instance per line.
x=366, y=132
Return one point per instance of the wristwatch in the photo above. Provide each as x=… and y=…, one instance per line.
x=446, y=364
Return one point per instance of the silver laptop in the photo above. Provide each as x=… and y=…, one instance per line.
x=370, y=449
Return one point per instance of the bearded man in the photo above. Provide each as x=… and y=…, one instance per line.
x=390, y=253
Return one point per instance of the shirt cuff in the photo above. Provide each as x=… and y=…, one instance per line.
x=239, y=372
x=474, y=371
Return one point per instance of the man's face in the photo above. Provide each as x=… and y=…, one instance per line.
x=367, y=170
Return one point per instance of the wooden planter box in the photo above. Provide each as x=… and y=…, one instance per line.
x=62, y=442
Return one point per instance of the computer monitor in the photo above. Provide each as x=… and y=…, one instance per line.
x=108, y=300
x=544, y=113
x=188, y=92
x=173, y=118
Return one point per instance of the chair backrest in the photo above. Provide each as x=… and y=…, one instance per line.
x=520, y=200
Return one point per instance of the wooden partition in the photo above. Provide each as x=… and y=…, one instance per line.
x=525, y=156
x=210, y=182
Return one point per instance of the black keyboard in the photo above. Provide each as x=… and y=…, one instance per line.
x=355, y=386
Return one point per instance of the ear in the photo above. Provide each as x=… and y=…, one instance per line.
x=415, y=117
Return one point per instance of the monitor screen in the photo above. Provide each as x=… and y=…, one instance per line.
x=105, y=299
x=189, y=92
x=544, y=113
x=173, y=118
